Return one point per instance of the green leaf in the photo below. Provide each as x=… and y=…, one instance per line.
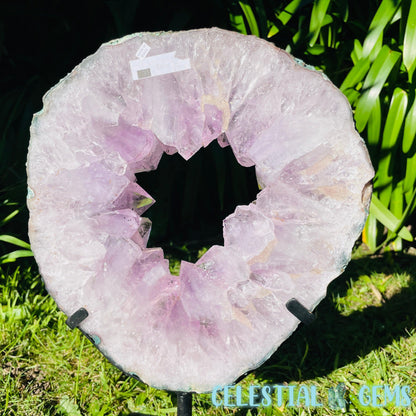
x=357, y=52
x=328, y=36
x=356, y=75
x=376, y=48
x=385, y=187
x=409, y=43
x=374, y=125
x=14, y=255
x=273, y=30
x=299, y=36
x=316, y=49
x=397, y=244
x=370, y=232
x=262, y=18
x=396, y=201
x=394, y=119
x=397, y=16
x=411, y=205
x=237, y=22
x=250, y=17
x=287, y=13
x=319, y=11
x=396, y=208
x=388, y=219
x=13, y=240
x=9, y=217
x=409, y=132
x=284, y=16
x=328, y=19
x=373, y=84
x=410, y=177
x=383, y=16
x=352, y=95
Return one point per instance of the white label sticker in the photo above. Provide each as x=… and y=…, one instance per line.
x=143, y=50
x=153, y=66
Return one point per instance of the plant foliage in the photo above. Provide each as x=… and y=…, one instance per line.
x=368, y=49
x=24, y=248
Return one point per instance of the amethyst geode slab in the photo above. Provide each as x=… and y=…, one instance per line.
x=115, y=115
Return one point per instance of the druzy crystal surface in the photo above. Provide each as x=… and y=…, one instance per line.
x=115, y=115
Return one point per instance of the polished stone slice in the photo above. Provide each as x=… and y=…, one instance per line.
x=115, y=115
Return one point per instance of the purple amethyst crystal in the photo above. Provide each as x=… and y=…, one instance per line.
x=113, y=116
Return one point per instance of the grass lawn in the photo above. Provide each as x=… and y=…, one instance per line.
x=364, y=335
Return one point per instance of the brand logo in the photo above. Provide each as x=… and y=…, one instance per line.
x=307, y=396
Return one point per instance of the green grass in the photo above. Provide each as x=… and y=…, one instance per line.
x=365, y=334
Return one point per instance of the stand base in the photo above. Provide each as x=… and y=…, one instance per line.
x=184, y=404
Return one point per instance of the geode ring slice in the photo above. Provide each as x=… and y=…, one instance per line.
x=113, y=116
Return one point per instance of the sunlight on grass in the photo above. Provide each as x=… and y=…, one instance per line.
x=373, y=290
x=364, y=336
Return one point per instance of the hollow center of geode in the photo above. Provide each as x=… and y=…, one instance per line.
x=193, y=197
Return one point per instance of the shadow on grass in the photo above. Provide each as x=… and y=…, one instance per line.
x=334, y=340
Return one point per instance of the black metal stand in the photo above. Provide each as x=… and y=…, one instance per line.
x=184, y=404
x=184, y=400
x=298, y=310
